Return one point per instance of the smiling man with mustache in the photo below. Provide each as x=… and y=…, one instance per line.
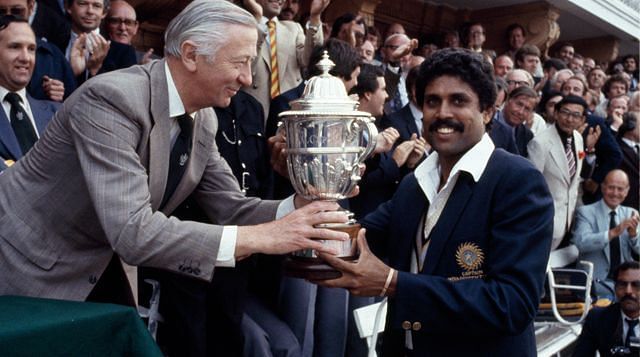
x=465, y=240
x=616, y=325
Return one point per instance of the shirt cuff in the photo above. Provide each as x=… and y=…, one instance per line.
x=227, y=248
x=285, y=207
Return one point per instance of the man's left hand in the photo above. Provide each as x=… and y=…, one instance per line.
x=366, y=277
x=53, y=88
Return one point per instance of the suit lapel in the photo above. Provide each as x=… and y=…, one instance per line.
x=40, y=115
x=602, y=221
x=8, y=138
x=159, y=140
x=577, y=144
x=283, y=58
x=410, y=121
x=558, y=155
x=203, y=138
x=410, y=216
x=448, y=219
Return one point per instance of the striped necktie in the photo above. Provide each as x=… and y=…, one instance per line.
x=275, y=81
x=568, y=150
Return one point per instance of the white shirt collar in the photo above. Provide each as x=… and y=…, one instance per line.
x=22, y=93
x=473, y=161
x=417, y=113
x=176, y=107
x=33, y=13
x=629, y=142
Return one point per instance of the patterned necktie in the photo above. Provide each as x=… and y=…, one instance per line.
x=20, y=123
x=179, y=156
x=631, y=333
x=275, y=81
x=614, y=245
x=568, y=150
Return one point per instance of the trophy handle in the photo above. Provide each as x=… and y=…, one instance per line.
x=372, y=132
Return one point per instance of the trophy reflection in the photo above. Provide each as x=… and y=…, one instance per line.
x=327, y=140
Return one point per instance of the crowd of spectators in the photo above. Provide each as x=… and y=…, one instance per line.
x=573, y=116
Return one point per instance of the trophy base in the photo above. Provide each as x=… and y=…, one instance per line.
x=306, y=265
x=311, y=268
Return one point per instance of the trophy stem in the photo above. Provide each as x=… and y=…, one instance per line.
x=305, y=264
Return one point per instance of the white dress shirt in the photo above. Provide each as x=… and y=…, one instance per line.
x=427, y=174
x=226, y=251
x=6, y=106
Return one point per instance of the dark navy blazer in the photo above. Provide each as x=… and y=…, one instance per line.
x=488, y=309
x=50, y=61
x=42, y=110
x=403, y=121
x=601, y=332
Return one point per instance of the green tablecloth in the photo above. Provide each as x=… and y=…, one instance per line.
x=45, y=327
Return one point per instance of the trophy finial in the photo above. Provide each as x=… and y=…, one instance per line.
x=325, y=64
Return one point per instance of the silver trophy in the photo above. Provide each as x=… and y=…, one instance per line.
x=327, y=140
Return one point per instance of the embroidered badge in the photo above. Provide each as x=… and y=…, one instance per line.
x=183, y=159
x=469, y=256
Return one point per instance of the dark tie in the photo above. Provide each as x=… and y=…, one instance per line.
x=631, y=333
x=179, y=156
x=614, y=245
x=568, y=150
x=20, y=122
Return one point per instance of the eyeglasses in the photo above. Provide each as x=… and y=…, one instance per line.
x=635, y=285
x=119, y=21
x=517, y=83
x=15, y=11
x=573, y=115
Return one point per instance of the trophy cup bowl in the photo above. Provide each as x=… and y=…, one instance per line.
x=327, y=140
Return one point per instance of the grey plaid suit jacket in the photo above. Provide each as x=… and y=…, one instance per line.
x=92, y=185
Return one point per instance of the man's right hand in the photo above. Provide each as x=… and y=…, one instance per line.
x=293, y=232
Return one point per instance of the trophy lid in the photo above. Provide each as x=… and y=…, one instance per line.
x=324, y=93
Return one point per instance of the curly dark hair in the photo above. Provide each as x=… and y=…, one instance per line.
x=469, y=67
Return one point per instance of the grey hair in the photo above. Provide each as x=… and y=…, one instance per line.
x=554, y=79
x=396, y=35
x=205, y=23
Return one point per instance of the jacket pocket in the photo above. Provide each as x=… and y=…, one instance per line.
x=32, y=244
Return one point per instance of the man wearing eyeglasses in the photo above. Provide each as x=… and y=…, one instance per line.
x=558, y=152
x=122, y=27
x=606, y=232
x=614, y=330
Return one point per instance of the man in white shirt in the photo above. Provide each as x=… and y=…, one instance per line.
x=122, y=154
x=466, y=239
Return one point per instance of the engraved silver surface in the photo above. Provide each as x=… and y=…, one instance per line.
x=327, y=140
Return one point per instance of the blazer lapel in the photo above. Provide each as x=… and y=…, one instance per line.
x=40, y=115
x=446, y=224
x=283, y=57
x=602, y=222
x=203, y=138
x=8, y=138
x=159, y=140
x=578, y=147
x=410, y=216
x=558, y=155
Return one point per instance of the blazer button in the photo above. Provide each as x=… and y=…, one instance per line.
x=417, y=326
x=406, y=325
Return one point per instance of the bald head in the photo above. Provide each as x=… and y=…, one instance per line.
x=615, y=188
x=122, y=23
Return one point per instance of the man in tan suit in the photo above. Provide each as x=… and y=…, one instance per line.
x=558, y=152
x=97, y=185
x=293, y=49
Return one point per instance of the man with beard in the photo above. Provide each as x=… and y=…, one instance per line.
x=465, y=239
x=614, y=326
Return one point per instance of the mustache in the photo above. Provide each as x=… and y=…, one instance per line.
x=450, y=123
x=628, y=297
